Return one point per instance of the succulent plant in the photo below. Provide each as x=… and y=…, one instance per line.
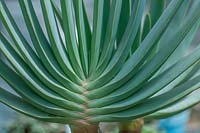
x=129, y=63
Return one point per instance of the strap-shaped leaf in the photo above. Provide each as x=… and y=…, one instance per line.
x=146, y=26
x=29, y=76
x=177, y=22
x=137, y=40
x=88, y=35
x=30, y=96
x=79, y=13
x=59, y=21
x=15, y=59
x=120, y=55
x=124, y=18
x=167, y=48
x=137, y=58
x=129, y=66
x=193, y=73
x=57, y=12
x=106, y=14
x=30, y=57
x=111, y=33
x=96, y=34
x=86, y=22
x=177, y=107
x=20, y=105
x=149, y=88
x=136, y=80
x=153, y=104
x=42, y=46
x=25, y=49
x=156, y=9
x=70, y=37
x=55, y=40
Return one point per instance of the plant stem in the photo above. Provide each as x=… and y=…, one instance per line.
x=134, y=126
x=85, y=129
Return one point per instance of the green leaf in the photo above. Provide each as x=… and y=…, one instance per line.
x=57, y=12
x=29, y=76
x=70, y=37
x=111, y=33
x=106, y=14
x=177, y=107
x=153, y=104
x=42, y=46
x=124, y=18
x=20, y=105
x=17, y=83
x=131, y=66
x=130, y=63
x=96, y=34
x=120, y=55
x=156, y=9
x=80, y=22
x=55, y=40
x=124, y=97
x=146, y=26
x=177, y=22
x=27, y=53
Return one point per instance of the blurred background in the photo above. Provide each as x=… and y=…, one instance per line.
x=9, y=120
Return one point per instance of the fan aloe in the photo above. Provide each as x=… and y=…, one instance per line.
x=132, y=64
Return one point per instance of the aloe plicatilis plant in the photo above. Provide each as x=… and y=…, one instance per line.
x=129, y=64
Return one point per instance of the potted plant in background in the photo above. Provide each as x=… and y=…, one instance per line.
x=23, y=124
x=130, y=66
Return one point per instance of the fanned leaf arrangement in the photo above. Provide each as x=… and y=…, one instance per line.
x=130, y=63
